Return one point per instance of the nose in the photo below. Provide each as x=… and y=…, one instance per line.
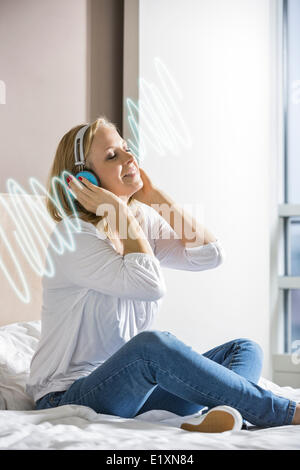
x=128, y=157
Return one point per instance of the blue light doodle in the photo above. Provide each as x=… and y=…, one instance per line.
x=158, y=116
x=2, y=92
x=28, y=213
x=159, y=130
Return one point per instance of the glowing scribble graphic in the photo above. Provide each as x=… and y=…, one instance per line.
x=163, y=121
x=2, y=92
x=27, y=215
x=30, y=217
x=295, y=92
x=295, y=357
x=164, y=129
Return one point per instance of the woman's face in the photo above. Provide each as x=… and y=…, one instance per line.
x=110, y=159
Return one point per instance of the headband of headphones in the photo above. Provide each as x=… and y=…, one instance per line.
x=78, y=146
x=80, y=160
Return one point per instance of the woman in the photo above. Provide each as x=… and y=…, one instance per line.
x=97, y=348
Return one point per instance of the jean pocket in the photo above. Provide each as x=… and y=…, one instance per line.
x=54, y=398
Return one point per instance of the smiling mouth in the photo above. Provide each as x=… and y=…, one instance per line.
x=132, y=173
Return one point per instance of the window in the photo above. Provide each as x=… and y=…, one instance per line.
x=289, y=211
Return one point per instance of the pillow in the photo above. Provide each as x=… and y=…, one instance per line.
x=18, y=343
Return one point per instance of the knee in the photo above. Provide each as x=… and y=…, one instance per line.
x=252, y=347
x=152, y=337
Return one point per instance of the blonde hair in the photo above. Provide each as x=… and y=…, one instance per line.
x=64, y=160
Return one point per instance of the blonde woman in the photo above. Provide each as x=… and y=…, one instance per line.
x=97, y=347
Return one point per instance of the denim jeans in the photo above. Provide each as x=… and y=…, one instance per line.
x=155, y=370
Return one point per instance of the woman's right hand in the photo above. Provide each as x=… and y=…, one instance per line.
x=91, y=196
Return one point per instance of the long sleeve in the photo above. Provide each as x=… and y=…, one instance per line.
x=94, y=264
x=171, y=253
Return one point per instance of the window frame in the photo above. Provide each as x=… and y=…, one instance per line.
x=286, y=210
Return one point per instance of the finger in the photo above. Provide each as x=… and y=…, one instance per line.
x=84, y=196
x=85, y=181
x=142, y=172
x=72, y=193
x=144, y=175
x=76, y=182
x=81, y=198
x=76, y=189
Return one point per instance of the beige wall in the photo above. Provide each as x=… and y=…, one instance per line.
x=61, y=62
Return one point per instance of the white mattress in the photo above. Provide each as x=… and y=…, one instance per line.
x=79, y=427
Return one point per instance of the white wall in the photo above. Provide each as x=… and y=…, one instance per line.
x=219, y=54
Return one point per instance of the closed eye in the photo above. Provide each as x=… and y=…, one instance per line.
x=115, y=155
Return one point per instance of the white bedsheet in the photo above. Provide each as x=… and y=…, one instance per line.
x=79, y=427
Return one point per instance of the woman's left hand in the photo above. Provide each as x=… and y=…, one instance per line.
x=147, y=193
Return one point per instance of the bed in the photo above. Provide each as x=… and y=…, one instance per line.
x=73, y=427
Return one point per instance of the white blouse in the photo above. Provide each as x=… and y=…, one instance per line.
x=98, y=299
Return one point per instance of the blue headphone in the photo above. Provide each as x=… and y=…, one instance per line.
x=80, y=160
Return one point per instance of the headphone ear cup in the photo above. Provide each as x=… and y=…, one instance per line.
x=90, y=176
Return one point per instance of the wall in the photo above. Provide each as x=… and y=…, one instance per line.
x=219, y=54
x=61, y=61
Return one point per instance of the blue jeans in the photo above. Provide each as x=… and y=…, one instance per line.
x=155, y=370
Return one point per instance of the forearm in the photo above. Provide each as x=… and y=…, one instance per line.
x=189, y=230
x=130, y=232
